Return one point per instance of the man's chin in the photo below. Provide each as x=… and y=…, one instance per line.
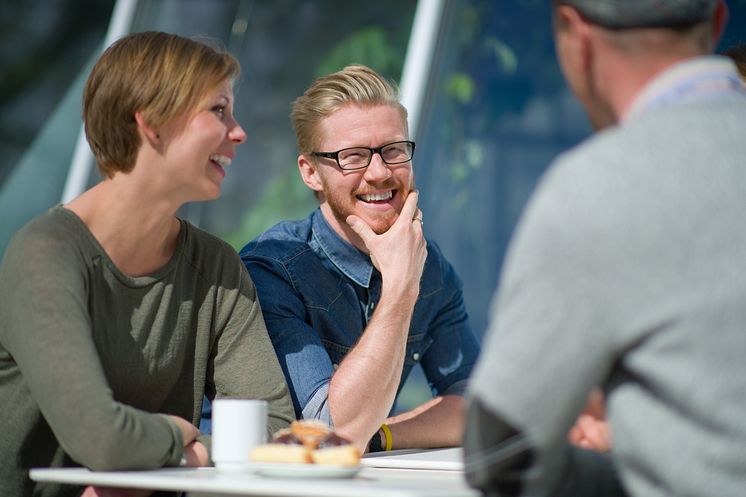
x=380, y=226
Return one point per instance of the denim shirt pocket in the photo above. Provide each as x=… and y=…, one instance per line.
x=417, y=344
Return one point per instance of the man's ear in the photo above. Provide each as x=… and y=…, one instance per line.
x=149, y=133
x=310, y=173
x=574, y=39
x=719, y=20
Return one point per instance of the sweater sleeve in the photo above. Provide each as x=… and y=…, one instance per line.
x=46, y=330
x=244, y=362
x=550, y=341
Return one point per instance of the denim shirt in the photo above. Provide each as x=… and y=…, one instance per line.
x=318, y=292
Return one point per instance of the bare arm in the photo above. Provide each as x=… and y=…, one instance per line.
x=438, y=422
x=370, y=374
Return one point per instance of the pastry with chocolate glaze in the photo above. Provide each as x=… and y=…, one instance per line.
x=334, y=449
x=307, y=442
x=310, y=432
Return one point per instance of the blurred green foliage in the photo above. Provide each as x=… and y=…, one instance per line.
x=369, y=46
x=285, y=197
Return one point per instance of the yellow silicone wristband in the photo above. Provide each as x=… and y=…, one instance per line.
x=387, y=434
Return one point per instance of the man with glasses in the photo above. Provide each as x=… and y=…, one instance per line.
x=353, y=295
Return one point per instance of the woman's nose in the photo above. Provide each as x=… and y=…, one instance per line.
x=237, y=134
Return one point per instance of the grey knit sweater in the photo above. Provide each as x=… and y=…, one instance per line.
x=628, y=270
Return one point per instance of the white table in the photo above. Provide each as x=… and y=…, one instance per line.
x=369, y=482
x=451, y=459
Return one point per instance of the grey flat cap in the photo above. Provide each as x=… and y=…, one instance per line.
x=621, y=14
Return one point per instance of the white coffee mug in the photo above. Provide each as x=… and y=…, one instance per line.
x=238, y=425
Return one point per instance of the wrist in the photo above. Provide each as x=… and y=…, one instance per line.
x=400, y=292
x=397, y=306
x=376, y=442
x=387, y=440
x=381, y=440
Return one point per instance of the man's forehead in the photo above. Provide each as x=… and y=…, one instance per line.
x=363, y=111
x=353, y=118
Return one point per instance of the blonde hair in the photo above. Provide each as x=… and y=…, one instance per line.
x=355, y=84
x=164, y=76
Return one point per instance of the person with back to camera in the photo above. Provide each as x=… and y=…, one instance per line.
x=626, y=271
x=354, y=295
x=117, y=315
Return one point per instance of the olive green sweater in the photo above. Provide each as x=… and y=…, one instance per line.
x=91, y=359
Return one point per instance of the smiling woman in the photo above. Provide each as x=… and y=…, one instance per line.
x=196, y=148
x=137, y=311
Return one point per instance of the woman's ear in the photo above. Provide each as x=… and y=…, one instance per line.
x=149, y=133
x=310, y=173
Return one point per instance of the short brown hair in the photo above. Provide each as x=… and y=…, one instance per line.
x=162, y=75
x=355, y=84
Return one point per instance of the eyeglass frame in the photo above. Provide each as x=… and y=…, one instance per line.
x=373, y=151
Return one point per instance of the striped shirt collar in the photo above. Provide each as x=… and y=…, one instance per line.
x=700, y=78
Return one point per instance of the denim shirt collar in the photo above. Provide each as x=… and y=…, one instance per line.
x=344, y=256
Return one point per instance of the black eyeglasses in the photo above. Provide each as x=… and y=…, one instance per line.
x=360, y=157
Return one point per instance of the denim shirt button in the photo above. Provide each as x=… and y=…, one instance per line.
x=416, y=356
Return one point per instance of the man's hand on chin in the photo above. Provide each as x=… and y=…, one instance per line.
x=399, y=253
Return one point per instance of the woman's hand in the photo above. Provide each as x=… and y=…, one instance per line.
x=196, y=454
x=189, y=432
